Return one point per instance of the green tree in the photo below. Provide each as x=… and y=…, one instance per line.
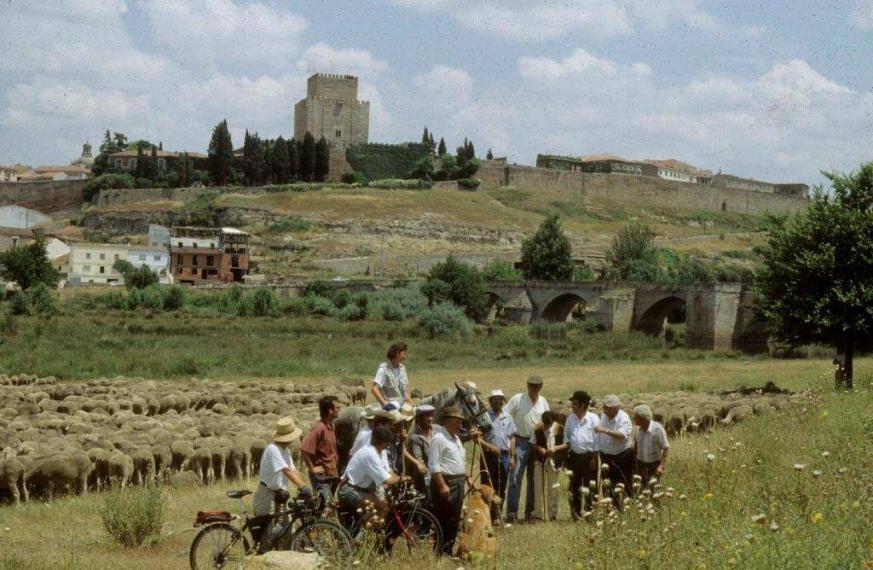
x=457, y=283
x=817, y=276
x=490, y=155
x=547, y=255
x=108, y=146
x=220, y=154
x=293, y=160
x=280, y=164
x=139, y=172
x=306, y=166
x=632, y=256
x=441, y=150
x=425, y=136
x=322, y=160
x=150, y=168
x=499, y=270
x=424, y=168
x=461, y=153
x=135, y=277
x=29, y=265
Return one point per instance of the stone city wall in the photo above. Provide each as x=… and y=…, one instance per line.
x=45, y=197
x=642, y=191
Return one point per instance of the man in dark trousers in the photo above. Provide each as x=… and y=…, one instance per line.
x=447, y=463
x=580, y=439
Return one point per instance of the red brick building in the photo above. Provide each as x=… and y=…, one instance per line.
x=209, y=255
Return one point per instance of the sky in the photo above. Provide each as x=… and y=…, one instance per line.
x=777, y=90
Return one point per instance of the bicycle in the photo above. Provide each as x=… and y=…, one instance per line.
x=407, y=519
x=222, y=544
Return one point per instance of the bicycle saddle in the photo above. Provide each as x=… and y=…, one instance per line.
x=238, y=494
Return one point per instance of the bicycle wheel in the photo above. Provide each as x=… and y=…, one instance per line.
x=331, y=541
x=218, y=546
x=422, y=529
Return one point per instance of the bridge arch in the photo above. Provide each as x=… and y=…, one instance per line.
x=561, y=307
x=669, y=308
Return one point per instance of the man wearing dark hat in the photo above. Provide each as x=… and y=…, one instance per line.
x=447, y=464
x=581, y=440
x=418, y=444
x=526, y=411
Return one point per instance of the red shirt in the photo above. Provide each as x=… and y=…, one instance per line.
x=320, y=443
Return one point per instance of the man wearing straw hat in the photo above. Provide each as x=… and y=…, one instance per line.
x=498, y=449
x=277, y=467
x=447, y=463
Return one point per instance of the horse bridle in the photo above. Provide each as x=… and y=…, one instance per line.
x=474, y=415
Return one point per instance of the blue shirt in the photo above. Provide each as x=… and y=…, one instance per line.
x=502, y=428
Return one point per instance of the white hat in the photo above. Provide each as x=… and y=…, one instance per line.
x=497, y=393
x=611, y=401
x=424, y=409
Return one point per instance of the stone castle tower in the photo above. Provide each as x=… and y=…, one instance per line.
x=331, y=109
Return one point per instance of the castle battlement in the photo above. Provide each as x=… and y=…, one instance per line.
x=334, y=76
x=332, y=110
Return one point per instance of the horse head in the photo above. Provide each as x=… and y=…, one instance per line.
x=472, y=407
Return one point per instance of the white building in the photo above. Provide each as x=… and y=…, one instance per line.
x=92, y=262
x=155, y=258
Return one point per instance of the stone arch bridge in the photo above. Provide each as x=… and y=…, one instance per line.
x=718, y=316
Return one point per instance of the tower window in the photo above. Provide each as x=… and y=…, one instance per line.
x=339, y=133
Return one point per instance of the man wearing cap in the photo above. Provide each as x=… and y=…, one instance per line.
x=418, y=444
x=615, y=445
x=447, y=464
x=650, y=443
x=498, y=448
x=526, y=411
x=277, y=467
x=391, y=383
x=580, y=439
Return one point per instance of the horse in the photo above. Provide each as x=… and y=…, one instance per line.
x=463, y=396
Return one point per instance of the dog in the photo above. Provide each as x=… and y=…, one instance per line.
x=477, y=535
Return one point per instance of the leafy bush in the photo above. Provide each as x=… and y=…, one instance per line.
x=458, y=283
x=262, y=302
x=111, y=300
x=632, y=255
x=133, y=299
x=469, y=183
x=302, y=187
x=499, y=270
x=174, y=298
x=470, y=168
x=135, y=277
x=42, y=299
x=19, y=304
x=547, y=254
x=354, y=178
x=398, y=303
x=231, y=298
x=342, y=298
x=445, y=320
x=143, y=183
x=319, y=288
x=355, y=311
x=152, y=297
x=401, y=184
x=134, y=516
x=106, y=181
x=293, y=306
x=583, y=273
x=318, y=305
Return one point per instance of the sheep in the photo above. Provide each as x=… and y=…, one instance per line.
x=182, y=453
x=120, y=469
x=201, y=464
x=59, y=471
x=240, y=460
x=144, y=466
x=359, y=396
x=12, y=477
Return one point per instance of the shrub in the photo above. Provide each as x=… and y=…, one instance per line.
x=351, y=312
x=143, y=183
x=401, y=184
x=105, y=181
x=458, y=283
x=261, y=302
x=135, y=277
x=133, y=300
x=583, y=273
x=19, y=304
x=42, y=300
x=354, y=178
x=499, y=270
x=134, y=516
x=547, y=254
x=318, y=305
x=152, y=297
x=111, y=300
x=445, y=320
x=469, y=183
x=398, y=303
x=342, y=298
x=380, y=161
x=231, y=298
x=293, y=306
x=174, y=298
x=319, y=288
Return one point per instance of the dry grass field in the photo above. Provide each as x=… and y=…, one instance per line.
x=822, y=514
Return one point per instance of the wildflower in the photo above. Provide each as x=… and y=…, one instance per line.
x=657, y=496
x=641, y=553
x=556, y=485
x=710, y=457
x=842, y=470
x=722, y=450
x=817, y=518
x=707, y=496
x=759, y=518
x=856, y=505
x=825, y=454
x=816, y=473
x=799, y=467
x=683, y=497
x=637, y=478
x=604, y=467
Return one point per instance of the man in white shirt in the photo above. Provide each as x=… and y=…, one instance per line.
x=366, y=473
x=615, y=445
x=651, y=445
x=498, y=448
x=581, y=440
x=277, y=467
x=447, y=464
x=526, y=411
x=391, y=385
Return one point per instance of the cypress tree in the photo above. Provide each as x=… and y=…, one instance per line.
x=441, y=150
x=140, y=163
x=306, y=167
x=430, y=143
x=187, y=170
x=471, y=151
x=490, y=155
x=547, y=255
x=322, y=160
x=280, y=162
x=425, y=137
x=249, y=159
x=220, y=154
x=293, y=160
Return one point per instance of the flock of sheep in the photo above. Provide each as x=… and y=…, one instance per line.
x=80, y=436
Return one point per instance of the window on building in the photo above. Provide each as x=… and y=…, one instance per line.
x=116, y=257
x=133, y=163
x=86, y=268
x=210, y=261
x=195, y=244
x=156, y=258
x=117, y=163
x=88, y=255
x=14, y=242
x=102, y=256
x=339, y=133
x=142, y=257
x=195, y=261
x=338, y=108
x=102, y=269
x=180, y=244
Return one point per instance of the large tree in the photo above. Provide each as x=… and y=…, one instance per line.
x=220, y=154
x=293, y=160
x=632, y=256
x=547, y=255
x=322, y=160
x=306, y=166
x=817, y=277
x=279, y=162
x=458, y=283
x=29, y=265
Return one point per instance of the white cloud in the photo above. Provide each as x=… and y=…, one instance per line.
x=218, y=31
x=862, y=15
x=323, y=58
x=445, y=85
